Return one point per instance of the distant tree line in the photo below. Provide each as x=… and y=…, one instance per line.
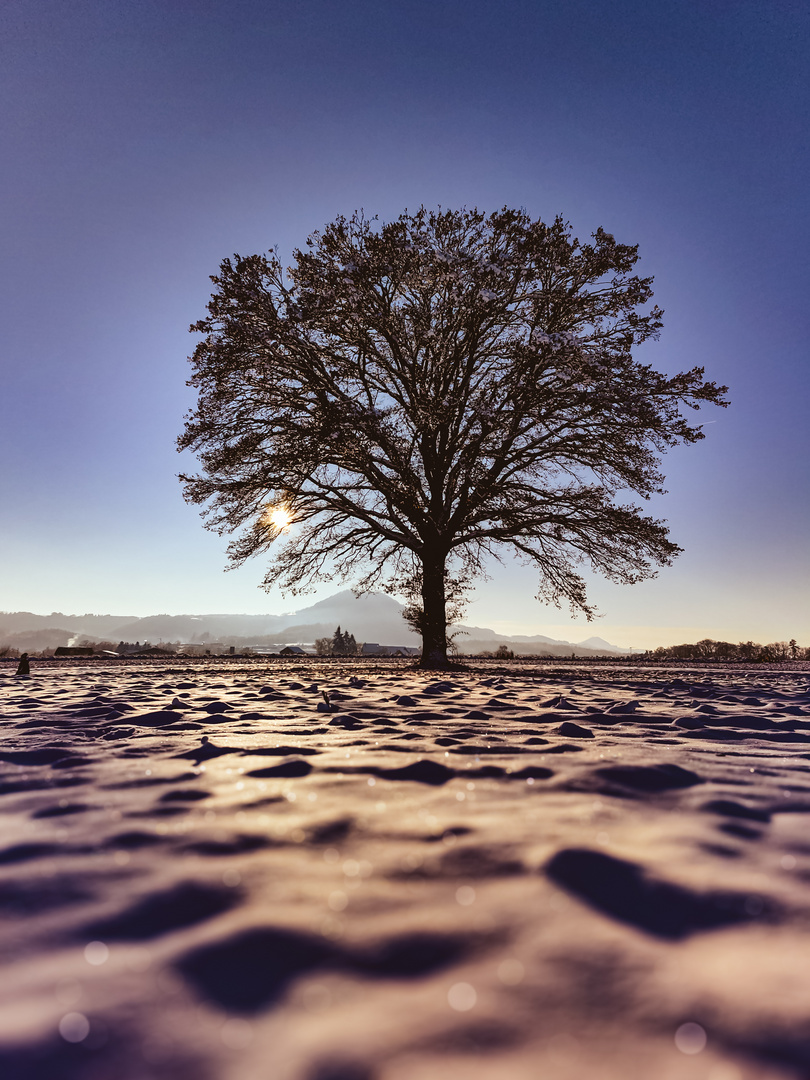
x=341, y=643
x=45, y=651
x=749, y=651
x=43, y=644
x=503, y=652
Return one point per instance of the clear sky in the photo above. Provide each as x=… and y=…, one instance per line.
x=143, y=141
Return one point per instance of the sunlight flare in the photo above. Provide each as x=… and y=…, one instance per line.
x=278, y=518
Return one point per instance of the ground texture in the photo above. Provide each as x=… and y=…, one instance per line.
x=324, y=871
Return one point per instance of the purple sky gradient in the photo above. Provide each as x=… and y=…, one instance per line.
x=144, y=141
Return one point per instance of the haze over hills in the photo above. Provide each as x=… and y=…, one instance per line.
x=373, y=617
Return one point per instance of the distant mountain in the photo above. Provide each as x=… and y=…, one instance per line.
x=600, y=643
x=16, y=622
x=373, y=617
x=197, y=627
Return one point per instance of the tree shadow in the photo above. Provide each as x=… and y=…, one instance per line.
x=626, y=892
x=252, y=970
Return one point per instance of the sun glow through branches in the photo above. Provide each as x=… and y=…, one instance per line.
x=278, y=518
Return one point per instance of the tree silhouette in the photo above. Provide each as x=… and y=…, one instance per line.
x=410, y=398
x=341, y=643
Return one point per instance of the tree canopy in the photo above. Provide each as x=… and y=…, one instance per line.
x=410, y=398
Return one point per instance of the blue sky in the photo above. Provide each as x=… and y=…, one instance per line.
x=145, y=141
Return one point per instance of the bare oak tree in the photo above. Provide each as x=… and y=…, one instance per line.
x=410, y=398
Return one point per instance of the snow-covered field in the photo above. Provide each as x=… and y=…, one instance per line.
x=531, y=872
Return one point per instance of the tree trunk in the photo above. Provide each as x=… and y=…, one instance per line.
x=434, y=614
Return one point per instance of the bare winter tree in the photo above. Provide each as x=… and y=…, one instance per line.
x=410, y=398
